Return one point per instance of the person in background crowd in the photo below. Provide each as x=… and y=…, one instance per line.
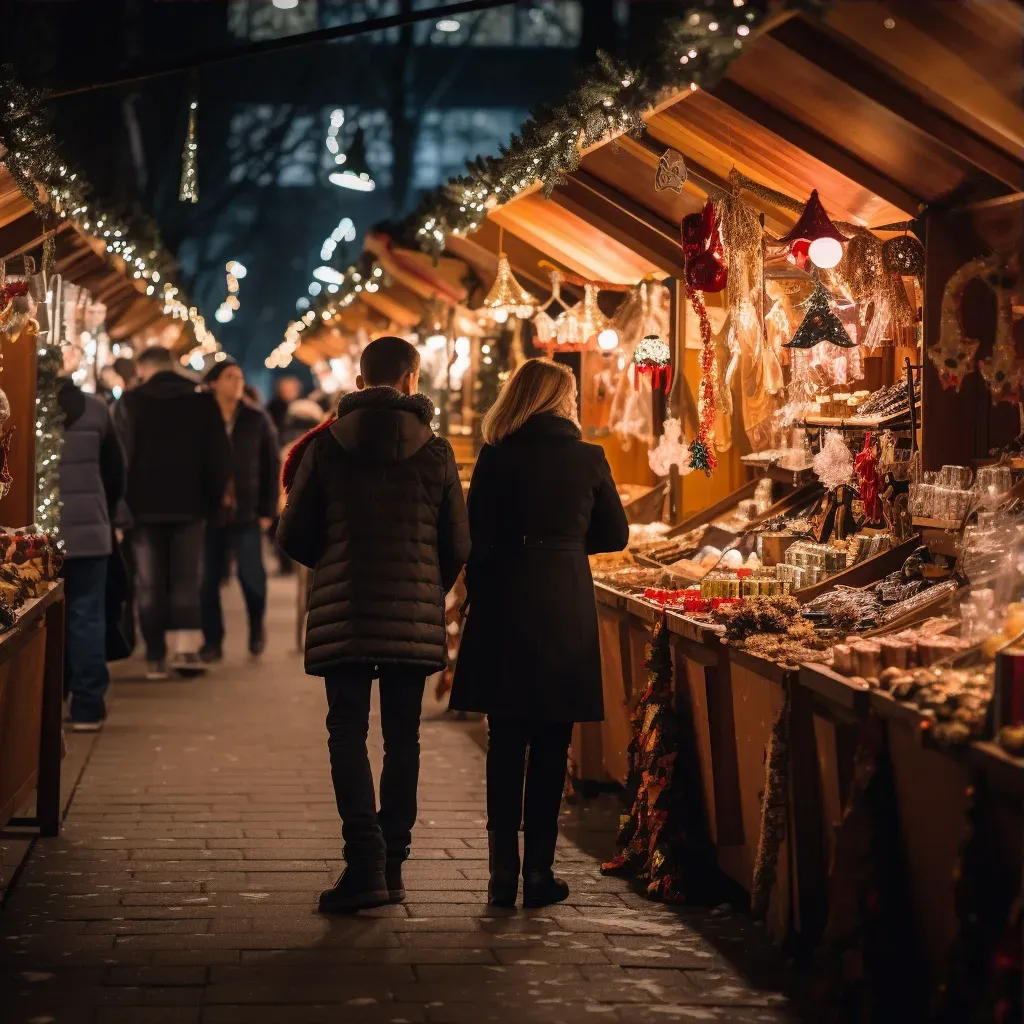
x=92, y=481
x=124, y=367
x=286, y=391
x=302, y=416
x=253, y=504
x=254, y=395
x=375, y=505
x=179, y=466
x=540, y=501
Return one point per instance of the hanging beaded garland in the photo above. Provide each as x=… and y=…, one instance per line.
x=904, y=255
x=702, y=447
x=653, y=358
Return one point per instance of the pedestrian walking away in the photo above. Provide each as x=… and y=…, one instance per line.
x=92, y=480
x=540, y=501
x=375, y=507
x=252, y=503
x=179, y=467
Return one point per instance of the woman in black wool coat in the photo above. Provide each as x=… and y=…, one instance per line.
x=541, y=500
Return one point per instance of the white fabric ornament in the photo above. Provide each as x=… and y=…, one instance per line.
x=671, y=450
x=833, y=465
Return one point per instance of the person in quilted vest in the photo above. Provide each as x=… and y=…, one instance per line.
x=375, y=508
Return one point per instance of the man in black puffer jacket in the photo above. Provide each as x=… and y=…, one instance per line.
x=375, y=507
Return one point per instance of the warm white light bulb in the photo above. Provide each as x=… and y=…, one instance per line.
x=825, y=252
x=286, y=5
x=500, y=315
x=608, y=339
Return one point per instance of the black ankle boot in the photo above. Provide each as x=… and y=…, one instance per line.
x=540, y=886
x=393, y=876
x=361, y=886
x=503, y=863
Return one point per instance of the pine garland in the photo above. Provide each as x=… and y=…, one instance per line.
x=49, y=435
x=610, y=98
x=33, y=158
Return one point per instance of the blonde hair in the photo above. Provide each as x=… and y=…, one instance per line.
x=538, y=386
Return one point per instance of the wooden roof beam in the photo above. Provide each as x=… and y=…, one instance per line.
x=817, y=145
x=823, y=50
x=623, y=219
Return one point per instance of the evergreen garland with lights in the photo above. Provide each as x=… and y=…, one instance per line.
x=33, y=159
x=49, y=435
x=609, y=99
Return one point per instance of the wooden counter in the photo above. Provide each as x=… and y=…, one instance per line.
x=31, y=698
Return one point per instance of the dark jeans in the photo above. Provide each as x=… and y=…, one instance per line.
x=541, y=774
x=247, y=542
x=168, y=557
x=86, y=675
x=370, y=834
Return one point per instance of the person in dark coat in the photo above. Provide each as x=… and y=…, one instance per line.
x=256, y=466
x=286, y=390
x=179, y=466
x=375, y=507
x=540, y=501
x=91, y=482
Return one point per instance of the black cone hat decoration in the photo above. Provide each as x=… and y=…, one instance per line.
x=820, y=323
x=814, y=223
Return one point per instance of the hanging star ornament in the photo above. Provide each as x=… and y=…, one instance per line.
x=820, y=323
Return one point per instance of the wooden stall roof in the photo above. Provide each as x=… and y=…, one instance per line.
x=80, y=259
x=881, y=120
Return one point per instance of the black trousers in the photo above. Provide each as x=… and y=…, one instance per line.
x=369, y=833
x=524, y=756
x=168, y=559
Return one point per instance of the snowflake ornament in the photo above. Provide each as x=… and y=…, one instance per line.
x=833, y=465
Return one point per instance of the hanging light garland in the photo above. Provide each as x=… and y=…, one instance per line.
x=694, y=52
x=188, y=190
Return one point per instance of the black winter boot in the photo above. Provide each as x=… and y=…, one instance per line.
x=362, y=886
x=540, y=886
x=503, y=862
x=393, y=876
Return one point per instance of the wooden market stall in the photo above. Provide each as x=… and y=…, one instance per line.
x=32, y=333
x=885, y=111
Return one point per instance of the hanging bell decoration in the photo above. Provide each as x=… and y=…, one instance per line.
x=653, y=358
x=904, y=255
x=507, y=296
x=820, y=323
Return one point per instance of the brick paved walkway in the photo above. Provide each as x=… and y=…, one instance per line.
x=203, y=826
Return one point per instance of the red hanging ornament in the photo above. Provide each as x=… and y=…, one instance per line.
x=653, y=358
x=703, y=251
x=814, y=223
x=865, y=468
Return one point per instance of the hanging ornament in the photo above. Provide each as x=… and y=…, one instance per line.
x=702, y=250
x=833, y=465
x=702, y=448
x=865, y=466
x=507, y=296
x=1003, y=371
x=671, y=450
x=814, y=226
x=543, y=322
x=954, y=354
x=653, y=358
x=904, y=255
x=188, y=190
x=671, y=173
x=820, y=323
x=862, y=266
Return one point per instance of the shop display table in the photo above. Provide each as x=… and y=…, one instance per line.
x=31, y=696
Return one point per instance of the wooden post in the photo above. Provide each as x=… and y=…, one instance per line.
x=48, y=786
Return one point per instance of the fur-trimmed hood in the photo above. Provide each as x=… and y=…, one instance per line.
x=375, y=424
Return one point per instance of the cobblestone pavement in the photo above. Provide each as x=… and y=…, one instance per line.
x=202, y=828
